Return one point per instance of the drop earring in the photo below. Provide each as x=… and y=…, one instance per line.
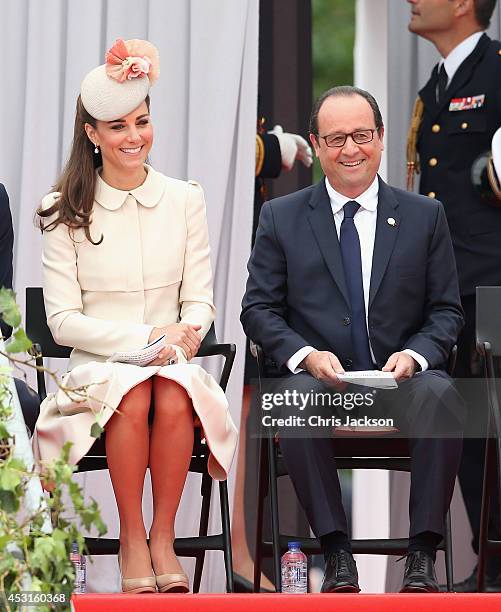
x=96, y=149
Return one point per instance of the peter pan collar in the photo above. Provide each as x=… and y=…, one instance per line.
x=148, y=194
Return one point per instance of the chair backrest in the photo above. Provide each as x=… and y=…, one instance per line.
x=208, y=343
x=488, y=318
x=36, y=325
x=39, y=332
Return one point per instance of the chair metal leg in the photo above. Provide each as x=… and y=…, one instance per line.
x=275, y=529
x=449, y=571
x=262, y=481
x=206, y=492
x=225, y=525
x=484, y=515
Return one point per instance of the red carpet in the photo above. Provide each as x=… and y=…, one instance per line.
x=452, y=602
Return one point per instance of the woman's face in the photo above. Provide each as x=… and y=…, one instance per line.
x=126, y=142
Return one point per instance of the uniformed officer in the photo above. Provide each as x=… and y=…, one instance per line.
x=455, y=118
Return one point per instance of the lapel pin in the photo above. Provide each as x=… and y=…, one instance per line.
x=391, y=221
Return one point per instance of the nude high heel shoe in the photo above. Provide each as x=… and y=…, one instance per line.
x=172, y=583
x=136, y=585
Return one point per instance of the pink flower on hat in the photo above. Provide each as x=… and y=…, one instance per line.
x=131, y=59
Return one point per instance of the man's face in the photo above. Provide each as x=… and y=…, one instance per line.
x=430, y=17
x=351, y=168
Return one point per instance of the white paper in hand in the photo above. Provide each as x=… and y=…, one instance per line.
x=370, y=378
x=141, y=357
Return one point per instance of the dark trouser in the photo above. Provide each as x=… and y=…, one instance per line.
x=471, y=470
x=427, y=408
x=30, y=403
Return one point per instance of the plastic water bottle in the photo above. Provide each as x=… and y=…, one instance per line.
x=294, y=570
x=78, y=561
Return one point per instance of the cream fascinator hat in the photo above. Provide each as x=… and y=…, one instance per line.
x=116, y=88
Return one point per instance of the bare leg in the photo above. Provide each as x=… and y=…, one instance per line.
x=171, y=445
x=127, y=449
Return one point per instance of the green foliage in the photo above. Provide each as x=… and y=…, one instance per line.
x=333, y=40
x=26, y=548
x=96, y=430
x=20, y=342
x=9, y=310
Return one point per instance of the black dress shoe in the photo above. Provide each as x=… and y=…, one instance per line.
x=341, y=574
x=469, y=585
x=419, y=575
x=492, y=584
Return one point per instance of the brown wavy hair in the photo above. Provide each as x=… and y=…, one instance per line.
x=77, y=182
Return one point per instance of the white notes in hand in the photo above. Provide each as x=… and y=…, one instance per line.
x=140, y=357
x=370, y=378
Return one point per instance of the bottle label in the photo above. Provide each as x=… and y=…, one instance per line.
x=294, y=577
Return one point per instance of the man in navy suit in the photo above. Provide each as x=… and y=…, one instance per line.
x=352, y=274
x=27, y=397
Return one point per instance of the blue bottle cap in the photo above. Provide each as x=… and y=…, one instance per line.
x=294, y=544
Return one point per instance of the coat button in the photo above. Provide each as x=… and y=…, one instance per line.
x=464, y=125
x=433, y=161
x=432, y=194
x=435, y=128
x=346, y=320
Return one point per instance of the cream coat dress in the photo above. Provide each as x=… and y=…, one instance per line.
x=151, y=269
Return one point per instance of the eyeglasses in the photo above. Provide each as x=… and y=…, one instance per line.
x=339, y=140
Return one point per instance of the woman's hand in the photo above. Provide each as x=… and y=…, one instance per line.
x=167, y=356
x=184, y=335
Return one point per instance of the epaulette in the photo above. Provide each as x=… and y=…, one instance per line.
x=259, y=154
x=412, y=155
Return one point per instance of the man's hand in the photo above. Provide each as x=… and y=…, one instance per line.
x=184, y=335
x=402, y=365
x=324, y=366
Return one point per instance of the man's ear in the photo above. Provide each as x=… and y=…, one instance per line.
x=91, y=133
x=381, y=137
x=464, y=7
x=314, y=143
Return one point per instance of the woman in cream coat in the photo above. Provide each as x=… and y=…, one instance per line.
x=126, y=260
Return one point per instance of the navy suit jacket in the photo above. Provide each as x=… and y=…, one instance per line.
x=6, y=246
x=296, y=292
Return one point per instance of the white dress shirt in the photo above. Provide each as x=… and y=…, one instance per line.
x=365, y=221
x=457, y=56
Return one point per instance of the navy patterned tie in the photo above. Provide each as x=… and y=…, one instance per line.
x=352, y=265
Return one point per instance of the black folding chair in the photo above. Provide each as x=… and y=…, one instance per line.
x=488, y=331
x=374, y=453
x=45, y=347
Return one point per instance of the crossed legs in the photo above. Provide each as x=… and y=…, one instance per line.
x=130, y=448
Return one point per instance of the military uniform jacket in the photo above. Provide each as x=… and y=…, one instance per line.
x=451, y=136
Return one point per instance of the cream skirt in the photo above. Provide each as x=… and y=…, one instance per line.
x=68, y=417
